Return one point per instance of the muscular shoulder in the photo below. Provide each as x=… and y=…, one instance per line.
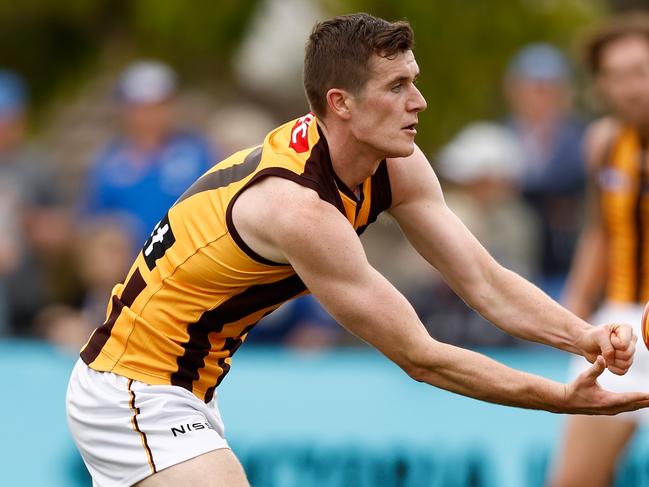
x=283, y=198
x=277, y=213
x=598, y=139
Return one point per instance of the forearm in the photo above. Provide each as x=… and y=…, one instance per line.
x=477, y=376
x=521, y=309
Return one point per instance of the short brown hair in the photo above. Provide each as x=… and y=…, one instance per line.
x=632, y=24
x=338, y=51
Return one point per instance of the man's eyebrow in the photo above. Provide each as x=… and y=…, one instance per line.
x=403, y=78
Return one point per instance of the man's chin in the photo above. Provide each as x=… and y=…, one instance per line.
x=403, y=151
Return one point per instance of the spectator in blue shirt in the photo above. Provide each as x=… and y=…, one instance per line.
x=538, y=89
x=142, y=172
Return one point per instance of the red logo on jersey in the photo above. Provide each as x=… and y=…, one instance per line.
x=300, y=133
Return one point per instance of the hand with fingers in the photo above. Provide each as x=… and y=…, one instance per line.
x=585, y=396
x=615, y=342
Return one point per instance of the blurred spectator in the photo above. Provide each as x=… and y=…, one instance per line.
x=538, y=89
x=239, y=126
x=302, y=323
x=103, y=255
x=102, y=258
x=33, y=224
x=141, y=173
x=483, y=164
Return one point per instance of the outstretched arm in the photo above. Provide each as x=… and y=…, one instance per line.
x=288, y=223
x=501, y=296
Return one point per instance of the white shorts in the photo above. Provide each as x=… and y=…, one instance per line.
x=637, y=378
x=127, y=430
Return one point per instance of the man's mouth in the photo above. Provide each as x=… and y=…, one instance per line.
x=411, y=128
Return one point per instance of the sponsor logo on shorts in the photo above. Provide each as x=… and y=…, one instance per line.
x=189, y=427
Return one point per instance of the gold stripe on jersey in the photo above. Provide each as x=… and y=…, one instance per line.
x=625, y=211
x=196, y=289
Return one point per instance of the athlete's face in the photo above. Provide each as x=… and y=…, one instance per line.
x=624, y=78
x=384, y=113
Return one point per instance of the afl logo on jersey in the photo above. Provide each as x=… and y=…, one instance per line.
x=300, y=133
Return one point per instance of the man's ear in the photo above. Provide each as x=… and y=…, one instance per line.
x=338, y=102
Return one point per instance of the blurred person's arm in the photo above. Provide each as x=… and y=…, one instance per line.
x=94, y=198
x=287, y=223
x=10, y=252
x=587, y=275
x=501, y=296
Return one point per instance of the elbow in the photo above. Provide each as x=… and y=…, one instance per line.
x=476, y=295
x=481, y=293
x=419, y=362
x=416, y=373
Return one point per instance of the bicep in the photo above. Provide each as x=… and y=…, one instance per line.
x=326, y=253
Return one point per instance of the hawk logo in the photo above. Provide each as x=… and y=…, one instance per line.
x=300, y=133
x=157, y=244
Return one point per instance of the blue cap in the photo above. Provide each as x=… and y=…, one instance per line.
x=13, y=94
x=540, y=62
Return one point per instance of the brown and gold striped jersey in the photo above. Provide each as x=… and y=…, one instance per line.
x=623, y=181
x=196, y=289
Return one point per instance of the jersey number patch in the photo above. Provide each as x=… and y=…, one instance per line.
x=157, y=244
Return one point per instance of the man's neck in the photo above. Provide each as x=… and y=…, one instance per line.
x=353, y=162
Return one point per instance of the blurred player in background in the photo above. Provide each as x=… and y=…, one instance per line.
x=282, y=219
x=612, y=258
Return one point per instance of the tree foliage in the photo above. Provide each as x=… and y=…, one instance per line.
x=55, y=44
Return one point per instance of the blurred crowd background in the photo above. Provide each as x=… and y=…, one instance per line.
x=110, y=109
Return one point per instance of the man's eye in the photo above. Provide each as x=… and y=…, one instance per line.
x=396, y=88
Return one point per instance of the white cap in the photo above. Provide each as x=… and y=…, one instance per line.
x=482, y=149
x=146, y=82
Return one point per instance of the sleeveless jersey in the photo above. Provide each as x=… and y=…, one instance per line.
x=196, y=289
x=623, y=184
